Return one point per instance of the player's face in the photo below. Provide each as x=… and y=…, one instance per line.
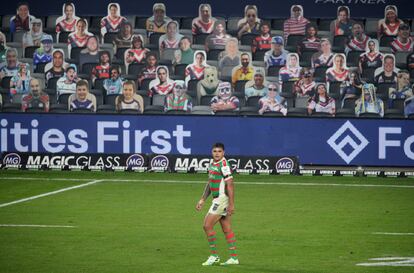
x=113, y=10
x=296, y=12
x=245, y=61
x=127, y=30
x=199, y=59
x=69, y=11
x=128, y=91
x=391, y=16
x=339, y=62
x=159, y=15
x=218, y=153
x=311, y=32
x=371, y=46
x=81, y=27
x=23, y=11
x=265, y=29
x=357, y=30
x=205, y=13
x=92, y=45
x=404, y=33
x=172, y=29
x=137, y=43
x=258, y=80
x=326, y=47
x=321, y=90
x=81, y=92
x=57, y=59
x=34, y=86
x=220, y=28
x=104, y=58
x=343, y=16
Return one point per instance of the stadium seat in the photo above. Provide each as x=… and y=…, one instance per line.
x=83, y=111
x=386, y=41
x=288, y=87
x=394, y=113
x=349, y=103
x=29, y=51
x=186, y=23
x=368, y=74
x=12, y=108
x=110, y=99
x=259, y=55
x=200, y=39
x=205, y=100
x=301, y=102
x=321, y=115
x=87, y=68
x=297, y=112
x=248, y=111
x=334, y=88
x=352, y=59
x=227, y=113
x=120, y=53
x=145, y=84
x=109, y=37
x=383, y=90
x=325, y=24
x=253, y=102
x=273, y=114
x=213, y=54
x=135, y=69
x=105, y=109
x=58, y=108
x=95, y=22
x=369, y=115
x=240, y=86
x=401, y=59
x=274, y=70
x=35, y=110
x=232, y=26
x=247, y=39
x=277, y=24
x=154, y=39
x=410, y=116
x=293, y=41
x=75, y=52
x=40, y=68
x=63, y=99
x=130, y=112
x=140, y=22
x=201, y=110
x=131, y=20
x=154, y=109
x=177, y=112
x=168, y=54
x=306, y=58
x=179, y=70
x=339, y=43
x=63, y=37
x=5, y=82
x=345, y=113
x=158, y=99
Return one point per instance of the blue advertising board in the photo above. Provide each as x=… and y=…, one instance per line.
x=365, y=142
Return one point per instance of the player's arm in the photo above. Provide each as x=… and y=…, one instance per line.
x=228, y=179
x=204, y=197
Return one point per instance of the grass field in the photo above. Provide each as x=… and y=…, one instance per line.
x=125, y=222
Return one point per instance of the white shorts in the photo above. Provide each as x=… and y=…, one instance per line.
x=219, y=205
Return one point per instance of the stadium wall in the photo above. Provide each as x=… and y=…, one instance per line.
x=267, y=8
x=316, y=141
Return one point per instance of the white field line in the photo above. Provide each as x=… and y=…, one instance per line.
x=45, y=178
x=203, y=182
x=50, y=193
x=394, y=233
x=37, y=226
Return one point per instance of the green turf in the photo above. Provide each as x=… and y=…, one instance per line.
x=153, y=227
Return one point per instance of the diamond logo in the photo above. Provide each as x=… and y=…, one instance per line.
x=347, y=135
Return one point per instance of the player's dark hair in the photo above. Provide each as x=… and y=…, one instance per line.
x=218, y=145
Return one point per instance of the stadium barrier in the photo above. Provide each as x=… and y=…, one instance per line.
x=318, y=141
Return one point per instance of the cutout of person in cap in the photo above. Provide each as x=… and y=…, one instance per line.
x=185, y=54
x=67, y=83
x=321, y=101
x=158, y=21
x=389, y=25
x=67, y=22
x=372, y=58
x=3, y=47
x=218, y=38
x=250, y=23
x=369, y=102
x=277, y=55
x=272, y=102
x=10, y=67
x=20, y=83
x=80, y=36
x=162, y=84
x=230, y=57
x=82, y=99
x=124, y=37
x=137, y=52
x=195, y=71
x=178, y=100
x=150, y=69
x=342, y=25
x=36, y=98
x=311, y=42
x=338, y=72
x=403, y=42
x=224, y=101
x=204, y=23
x=101, y=71
x=43, y=54
x=296, y=24
x=34, y=36
x=22, y=20
x=90, y=54
x=291, y=71
x=351, y=88
x=358, y=41
x=57, y=67
x=388, y=72
x=243, y=72
x=324, y=57
x=403, y=91
x=264, y=40
x=129, y=99
x=113, y=21
x=305, y=86
x=172, y=38
x=113, y=85
x=258, y=85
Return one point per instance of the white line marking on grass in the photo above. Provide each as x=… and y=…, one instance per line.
x=45, y=178
x=390, y=261
x=37, y=226
x=261, y=183
x=393, y=233
x=50, y=193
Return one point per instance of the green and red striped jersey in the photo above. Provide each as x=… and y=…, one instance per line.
x=218, y=173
